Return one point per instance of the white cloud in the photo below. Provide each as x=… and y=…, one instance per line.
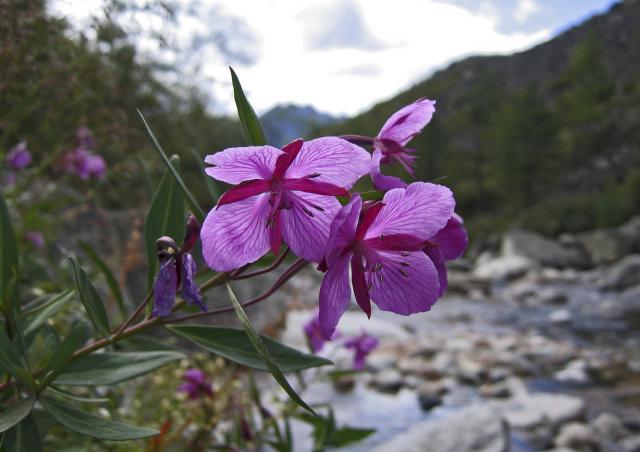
x=525, y=9
x=397, y=44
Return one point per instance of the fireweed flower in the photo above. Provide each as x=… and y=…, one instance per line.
x=389, y=145
x=448, y=244
x=196, y=385
x=383, y=243
x=314, y=334
x=362, y=345
x=85, y=164
x=280, y=195
x=176, y=266
x=19, y=157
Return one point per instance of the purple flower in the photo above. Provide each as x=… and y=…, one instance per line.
x=19, y=157
x=389, y=145
x=36, y=238
x=362, y=346
x=314, y=334
x=84, y=164
x=448, y=244
x=383, y=244
x=176, y=266
x=84, y=138
x=196, y=384
x=286, y=194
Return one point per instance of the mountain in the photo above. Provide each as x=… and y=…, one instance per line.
x=548, y=138
x=285, y=123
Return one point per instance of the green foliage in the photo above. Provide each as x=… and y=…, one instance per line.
x=8, y=259
x=90, y=299
x=24, y=436
x=16, y=413
x=248, y=119
x=235, y=345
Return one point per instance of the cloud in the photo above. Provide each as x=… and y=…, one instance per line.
x=525, y=9
x=362, y=70
x=339, y=26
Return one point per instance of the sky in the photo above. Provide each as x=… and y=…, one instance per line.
x=341, y=56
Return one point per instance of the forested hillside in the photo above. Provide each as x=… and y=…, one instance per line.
x=548, y=138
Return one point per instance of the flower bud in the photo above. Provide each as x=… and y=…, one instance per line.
x=192, y=233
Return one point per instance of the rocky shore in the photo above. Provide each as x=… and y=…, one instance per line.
x=536, y=346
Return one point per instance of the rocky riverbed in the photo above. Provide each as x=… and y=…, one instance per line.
x=536, y=346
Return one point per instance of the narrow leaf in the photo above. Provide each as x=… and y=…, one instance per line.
x=108, y=275
x=89, y=424
x=9, y=266
x=10, y=361
x=166, y=216
x=90, y=299
x=99, y=369
x=209, y=182
x=23, y=437
x=64, y=353
x=37, y=316
x=78, y=398
x=15, y=413
x=248, y=118
x=347, y=435
x=234, y=344
x=263, y=351
x=193, y=204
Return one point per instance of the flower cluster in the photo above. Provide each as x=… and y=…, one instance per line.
x=196, y=384
x=17, y=160
x=82, y=161
x=391, y=252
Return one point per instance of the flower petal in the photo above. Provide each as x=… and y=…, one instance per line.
x=190, y=290
x=305, y=228
x=421, y=211
x=236, y=234
x=452, y=240
x=235, y=165
x=335, y=295
x=164, y=289
x=244, y=190
x=335, y=160
x=408, y=121
x=435, y=255
x=359, y=283
x=405, y=284
x=343, y=229
x=381, y=181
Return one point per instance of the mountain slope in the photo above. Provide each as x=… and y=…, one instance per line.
x=285, y=123
x=548, y=138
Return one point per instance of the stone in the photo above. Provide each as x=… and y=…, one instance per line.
x=530, y=410
x=433, y=388
x=549, y=295
x=631, y=443
x=576, y=372
x=475, y=428
x=604, y=246
x=630, y=230
x=560, y=316
x=577, y=436
x=499, y=390
x=420, y=367
x=428, y=402
x=543, y=251
x=609, y=426
x=503, y=268
x=623, y=274
x=470, y=371
x=388, y=380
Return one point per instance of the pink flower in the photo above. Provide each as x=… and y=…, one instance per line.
x=388, y=146
x=196, y=384
x=19, y=157
x=362, y=345
x=383, y=243
x=286, y=194
x=448, y=244
x=85, y=164
x=84, y=138
x=36, y=238
x=314, y=334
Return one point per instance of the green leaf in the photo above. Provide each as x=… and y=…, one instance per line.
x=347, y=435
x=193, y=204
x=46, y=310
x=209, y=182
x=16, y=413
x=90, y=299
x=78, y=398
x=9, y=266
x=263, y=351
x=114, y=367
x=235, y=345
x=23, y=437
x=108, y=276
x=64, y=354
x=166, y=216
x=89, y=424
x=10, y=361
x=248, y=118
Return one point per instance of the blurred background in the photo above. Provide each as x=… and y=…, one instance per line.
x=537, y=131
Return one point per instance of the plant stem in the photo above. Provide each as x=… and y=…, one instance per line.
x=273, y=266
x=357, y=139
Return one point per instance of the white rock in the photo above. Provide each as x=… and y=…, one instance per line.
x=560, y=316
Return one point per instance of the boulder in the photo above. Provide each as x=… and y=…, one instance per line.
x=388, y=380
x=623, y=274
x=609, y=426
x=604, y=246
x=630, y=230
x=543, y=251
x=475, y=428
x=530, y=410
x=502, y=268
x=631, y=443
x=577, y=436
